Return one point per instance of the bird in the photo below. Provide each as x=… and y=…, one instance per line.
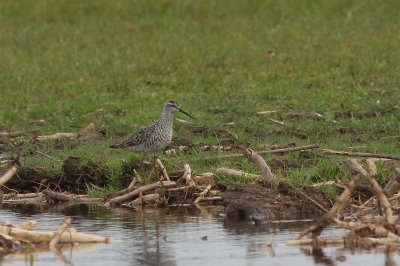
x=155, y=136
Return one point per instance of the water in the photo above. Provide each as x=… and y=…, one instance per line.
x=177, y=236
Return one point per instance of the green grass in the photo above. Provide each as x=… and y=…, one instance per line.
x=63, y=59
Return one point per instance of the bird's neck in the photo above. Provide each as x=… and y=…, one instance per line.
x=167, y=117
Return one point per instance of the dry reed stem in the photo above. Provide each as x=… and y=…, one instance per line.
x=164, y=172
x=57, y=235
x=62, y=135
x=261, y=165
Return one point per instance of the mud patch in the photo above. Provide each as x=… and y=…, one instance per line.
x=260, y=203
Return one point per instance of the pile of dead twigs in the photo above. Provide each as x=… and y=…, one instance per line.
x=364, y=230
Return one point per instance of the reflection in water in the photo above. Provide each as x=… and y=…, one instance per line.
x=178, y=236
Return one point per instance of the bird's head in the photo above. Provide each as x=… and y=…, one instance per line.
x=172, y=107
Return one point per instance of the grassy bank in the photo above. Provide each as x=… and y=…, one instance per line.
x=223, y=61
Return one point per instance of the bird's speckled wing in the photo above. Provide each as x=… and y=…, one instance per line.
x=138, y=138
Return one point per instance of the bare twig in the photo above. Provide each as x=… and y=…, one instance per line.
x=75, y=135
x=136, y=192
x=358, y=154
x=202, y=194
x=284, y=150
x=164, y=172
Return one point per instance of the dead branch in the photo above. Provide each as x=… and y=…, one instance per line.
x=377, y=189
x=383, y=200
x=393, y=186
x=284, y=150
x=58, y=196
x=132, y=194
x=62, y=135
x=202, y=194
x=71, y=236
x=9, y=174
x=236, y=173
x=57, y=235
x=187, y=175
x=358, y=154
x=164, y=172
x=338, y=206
x=261, y=165
x=12, y=134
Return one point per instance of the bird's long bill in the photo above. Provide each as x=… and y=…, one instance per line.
x=180, y=110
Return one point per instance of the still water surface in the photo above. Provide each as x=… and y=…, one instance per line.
x=178, y=236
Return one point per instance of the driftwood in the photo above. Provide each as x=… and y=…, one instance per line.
x=28, y=225
x=236, y=173
x=75, y=135
x=58, y=196
x=9, y=174
x=136, y=192
x=202, y=194
x=284, y=150
x=359, y=154
x=70, y=236
x=164, y=172
x=57, y=235
x=187, y=175
x=261, y=165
